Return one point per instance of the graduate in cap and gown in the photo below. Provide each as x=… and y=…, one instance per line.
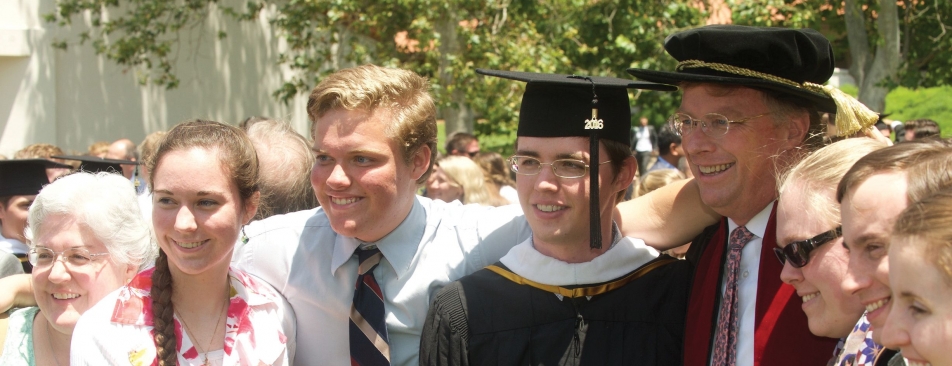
x=576, y=292
x=20, y=182
x=751, y=103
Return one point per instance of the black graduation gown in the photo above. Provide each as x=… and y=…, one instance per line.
x=487, y=319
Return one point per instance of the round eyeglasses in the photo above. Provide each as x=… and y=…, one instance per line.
x=798, y=252
x=76, y=257
x=564, y=168
x=713, y=124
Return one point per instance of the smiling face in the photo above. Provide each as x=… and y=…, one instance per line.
x=361, y=178
x=869, y=212
x=830, y=311
x=735, y=172
x=13, y=216
x=197, y=211
x=64, y=292
x=920, y=320
x=439, y=186
x=558, y=208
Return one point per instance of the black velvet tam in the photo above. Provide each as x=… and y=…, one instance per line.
x=24, y=177
x=556, y=105
x=797, y=55
x=94, y=164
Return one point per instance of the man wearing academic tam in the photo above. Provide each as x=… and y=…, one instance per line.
x=577, y=291
x=750, y=105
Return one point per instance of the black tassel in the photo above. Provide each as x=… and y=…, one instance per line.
x=595, y=222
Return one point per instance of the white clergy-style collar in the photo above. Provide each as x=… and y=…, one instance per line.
x=623, y=257
x=398, y=247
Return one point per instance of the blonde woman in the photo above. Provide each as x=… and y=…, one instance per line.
x=458, y=178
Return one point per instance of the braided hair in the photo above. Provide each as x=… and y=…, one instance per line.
x=237, y=155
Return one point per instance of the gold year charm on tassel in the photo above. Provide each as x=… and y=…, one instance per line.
x=594, y=123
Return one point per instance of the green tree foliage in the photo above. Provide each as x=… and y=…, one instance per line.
x=445, y=41
x=925, y=36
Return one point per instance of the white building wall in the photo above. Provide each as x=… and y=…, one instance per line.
x=73, y=98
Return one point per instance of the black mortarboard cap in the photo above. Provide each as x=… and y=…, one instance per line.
x=597, y=107
x=25, y=177
x=93, y=164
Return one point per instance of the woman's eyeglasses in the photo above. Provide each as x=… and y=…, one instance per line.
x=798, y=252
x=76, y=257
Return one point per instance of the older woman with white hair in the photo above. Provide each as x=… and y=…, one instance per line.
x=87, y=239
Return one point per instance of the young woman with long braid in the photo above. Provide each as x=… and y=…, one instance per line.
x=192, y=308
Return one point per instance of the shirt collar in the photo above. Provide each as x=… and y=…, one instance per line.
x=398, y=247
x=758, y=224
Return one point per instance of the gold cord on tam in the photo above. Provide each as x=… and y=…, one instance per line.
x=851, y=115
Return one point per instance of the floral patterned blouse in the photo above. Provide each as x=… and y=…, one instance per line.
x=259, y=329
x=858, y=348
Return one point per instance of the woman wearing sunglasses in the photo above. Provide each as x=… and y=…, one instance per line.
x=810, y=246
x=87, y=239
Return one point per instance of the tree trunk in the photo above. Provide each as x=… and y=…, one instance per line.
x=871, y=71
x=457, y=115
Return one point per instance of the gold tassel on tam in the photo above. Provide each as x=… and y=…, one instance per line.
x=851, y=115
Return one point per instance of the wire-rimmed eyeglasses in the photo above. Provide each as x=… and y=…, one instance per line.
x=713, y=124
x=564, y=168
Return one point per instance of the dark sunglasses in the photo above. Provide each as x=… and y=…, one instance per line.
x=798, y=252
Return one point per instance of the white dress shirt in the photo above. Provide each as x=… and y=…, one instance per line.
x=314, y=267
x=747, y=275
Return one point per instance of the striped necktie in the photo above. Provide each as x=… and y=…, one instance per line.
x=369, y=343
x=725, y=342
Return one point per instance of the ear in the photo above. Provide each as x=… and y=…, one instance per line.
x=420, y=162
x=251, y=207
x=797, y=127
x=673, y=148
x=129, y=272
x=625, y=175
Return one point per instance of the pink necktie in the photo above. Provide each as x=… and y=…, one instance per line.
x=725, y=342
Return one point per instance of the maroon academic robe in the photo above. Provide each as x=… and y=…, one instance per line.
x=781, y=334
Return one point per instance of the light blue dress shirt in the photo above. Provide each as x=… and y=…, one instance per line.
x=315, y=269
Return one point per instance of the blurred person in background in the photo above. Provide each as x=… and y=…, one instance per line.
x=125, y=149
x=286, y=160
x=497, y=175
x=670, y=151
x=20, y=182
x=462, y=144
x=45, y=151
x=97, y=149
x=644, y=143
x=657, y=179
x=925, y=128
x=884, y=129
x=459, y=178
